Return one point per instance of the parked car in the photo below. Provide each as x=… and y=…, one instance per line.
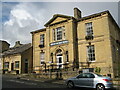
x=90, y=80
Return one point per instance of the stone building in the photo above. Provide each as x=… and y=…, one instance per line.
x=90, y=43
x=18, y=59
x=4, y=45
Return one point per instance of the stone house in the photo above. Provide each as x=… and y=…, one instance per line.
x=4, y=45
x=18, y=59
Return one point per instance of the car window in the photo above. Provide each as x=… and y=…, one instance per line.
x=80, y=76
x=86, y=75
x=99, y=75
x=89, y=75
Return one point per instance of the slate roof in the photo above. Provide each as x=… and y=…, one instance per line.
x=17, y=50
x=1, y=41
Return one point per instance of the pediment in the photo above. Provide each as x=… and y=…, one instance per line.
x=57, y=18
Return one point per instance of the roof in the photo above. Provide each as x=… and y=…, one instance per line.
x=57, y=15
x=40, y=30
x=98, y=14
x=81, y=19
x=1, y=41
x=94, y=15
x=17, y=50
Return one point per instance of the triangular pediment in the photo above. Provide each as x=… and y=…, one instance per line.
x=58, y=18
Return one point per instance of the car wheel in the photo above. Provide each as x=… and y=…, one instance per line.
x=70, y=84
x=100, y=87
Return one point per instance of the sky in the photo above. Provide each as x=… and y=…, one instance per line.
x=21, y=18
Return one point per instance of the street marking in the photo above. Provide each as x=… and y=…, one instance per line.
x=22, y=82
x=38, y=81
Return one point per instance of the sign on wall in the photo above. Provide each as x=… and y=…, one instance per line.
x=58, y=43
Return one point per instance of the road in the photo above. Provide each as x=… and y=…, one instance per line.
x=12, y=82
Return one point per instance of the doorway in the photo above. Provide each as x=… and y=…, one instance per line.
x=26, y=66
x=59, y=58
x=12, y=66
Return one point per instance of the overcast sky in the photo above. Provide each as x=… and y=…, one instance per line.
x=20, y=18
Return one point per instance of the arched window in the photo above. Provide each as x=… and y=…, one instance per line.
x=59, y=51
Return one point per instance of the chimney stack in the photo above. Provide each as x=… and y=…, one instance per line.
x=17, y=44
x=77, y=13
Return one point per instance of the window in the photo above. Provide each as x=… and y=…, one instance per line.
x=6, y=65
x=91, y=53
x=59, y=33
x=89, y=29
x=26, y=60
x=86, y=75
x=16, y=64
x=54, y=34
x=89, y=75
x=42, y=58
x=64, y=36
x=42, y=39
x=114, y=54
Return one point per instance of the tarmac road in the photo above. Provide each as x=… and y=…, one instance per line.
x=10, y=81
x=13, y=82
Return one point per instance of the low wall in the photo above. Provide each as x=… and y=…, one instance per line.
x=56, y=75
x=116, y=81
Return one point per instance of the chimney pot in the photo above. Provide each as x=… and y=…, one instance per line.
x=17, y=44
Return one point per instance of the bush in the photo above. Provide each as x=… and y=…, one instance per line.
x=97, y=70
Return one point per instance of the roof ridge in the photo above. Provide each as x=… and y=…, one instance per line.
x=61, y=15
x=16, y=50
x=106, y=11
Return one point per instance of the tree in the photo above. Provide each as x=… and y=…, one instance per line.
x=97, y=70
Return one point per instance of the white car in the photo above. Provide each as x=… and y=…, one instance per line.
x=90, y=80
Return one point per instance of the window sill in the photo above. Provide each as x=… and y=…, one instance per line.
x=91, y=61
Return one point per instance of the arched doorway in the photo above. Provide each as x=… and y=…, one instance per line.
x=59, y=58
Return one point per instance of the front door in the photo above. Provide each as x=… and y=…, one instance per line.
x=26, y=66
x=59, y=61
x=12, y=66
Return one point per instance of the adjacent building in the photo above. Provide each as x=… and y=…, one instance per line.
x=4, y=45
x=18, y=59
x=83, y=43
